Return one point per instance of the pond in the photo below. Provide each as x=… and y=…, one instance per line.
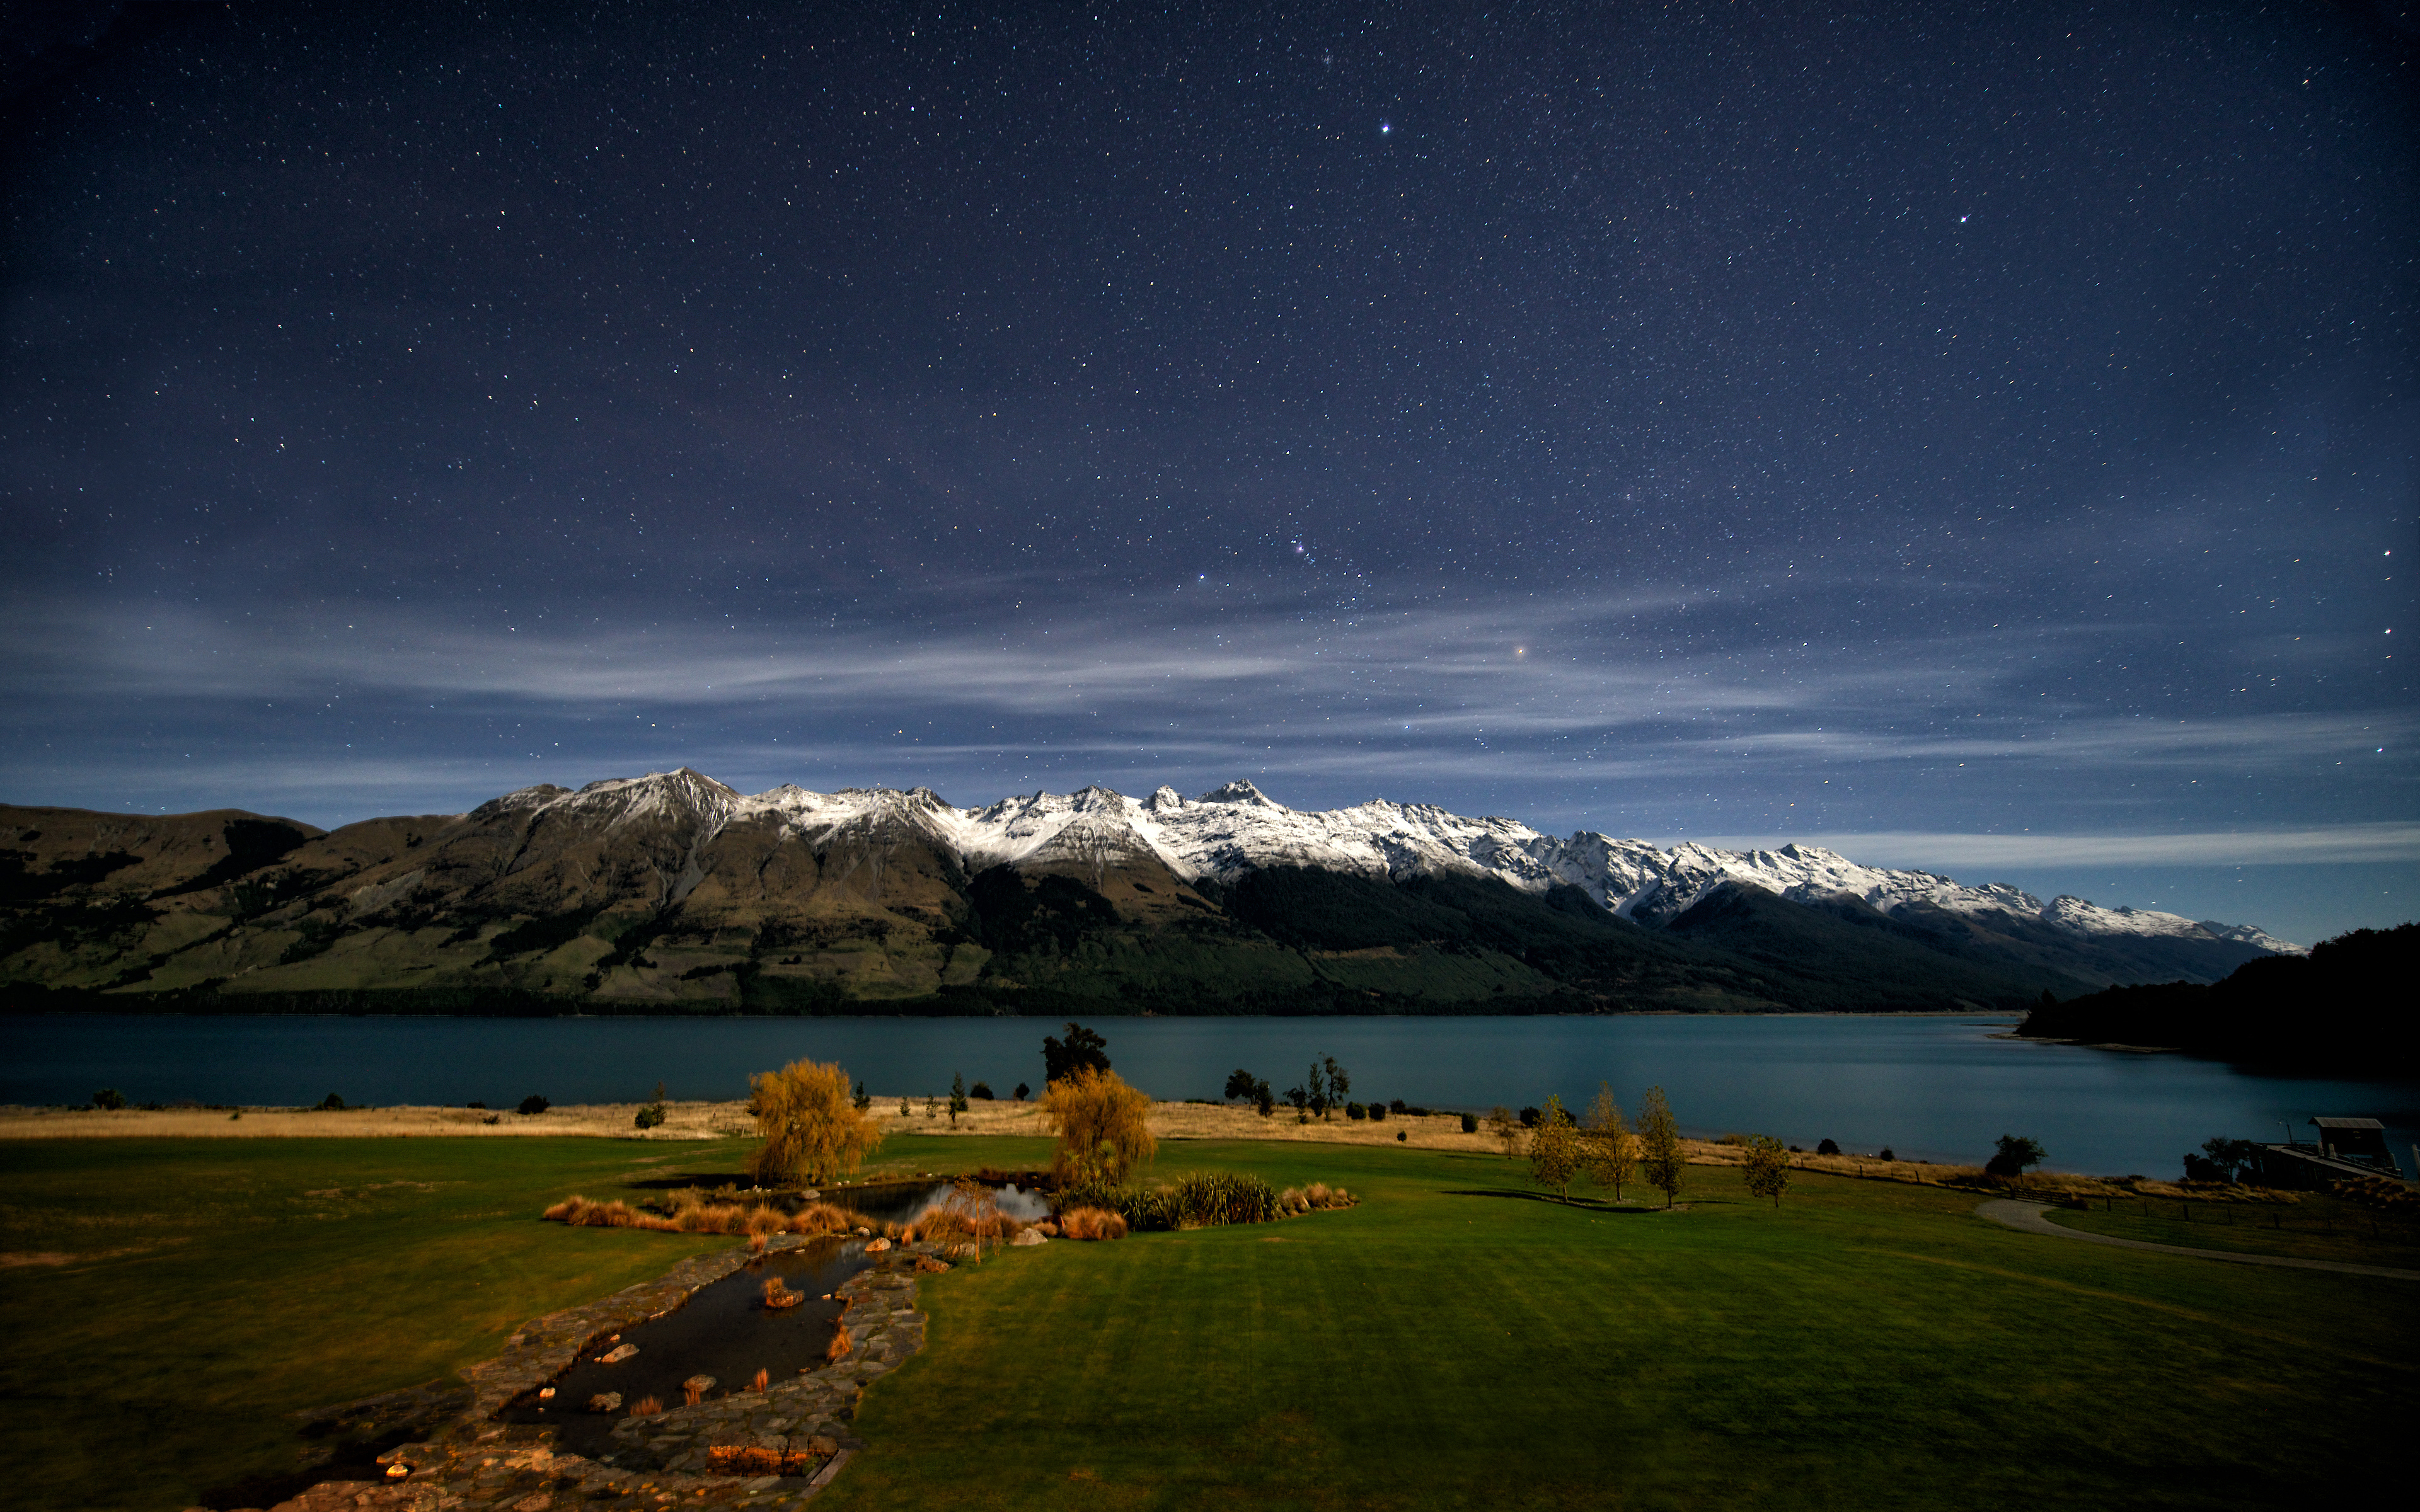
x=1930, y=1088
x=723, y=1331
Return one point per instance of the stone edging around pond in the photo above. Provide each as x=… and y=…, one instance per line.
x=477, y=1465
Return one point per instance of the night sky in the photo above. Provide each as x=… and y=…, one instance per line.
x=1977, y=436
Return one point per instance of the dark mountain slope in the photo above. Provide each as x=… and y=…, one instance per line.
x=2347, y=1006
x=1844, y=956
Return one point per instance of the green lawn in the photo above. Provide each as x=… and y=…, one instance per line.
x=1453, y=1342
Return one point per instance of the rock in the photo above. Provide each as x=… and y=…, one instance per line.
x=617, y=1355
x=876, y=1246
x=605, y=1401
x=698, y=1384
x=811, y=1195
x=1026, y=1238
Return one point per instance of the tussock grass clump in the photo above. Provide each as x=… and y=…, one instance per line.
x=692, y=1213
x=779, y=1297
x=969, y=1215
x=1316, y=1197
x=1091, y=1223
x=647, y=1407
x=752, y=1461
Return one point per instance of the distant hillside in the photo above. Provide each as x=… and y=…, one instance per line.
x=2347, y=1006
x=673, y=893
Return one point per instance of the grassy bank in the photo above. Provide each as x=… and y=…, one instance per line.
x=2316, y=1226
x=1453, y=1341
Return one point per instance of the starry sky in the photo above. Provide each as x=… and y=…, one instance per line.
x=1971, y=436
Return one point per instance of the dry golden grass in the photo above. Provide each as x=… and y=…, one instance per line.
x=692, y=1214
x=603, y=1120
x=1091, y=1223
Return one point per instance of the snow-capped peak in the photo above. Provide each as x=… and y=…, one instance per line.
x=1237, y=828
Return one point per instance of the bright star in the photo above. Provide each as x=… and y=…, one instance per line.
x=1385, y=127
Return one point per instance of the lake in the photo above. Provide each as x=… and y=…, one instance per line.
x=1933, y=1088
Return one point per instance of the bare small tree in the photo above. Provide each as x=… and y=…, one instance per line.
x=1766, y=1170
x=1555, y=1148
x=1610, y=1153
x=1506, y=1128
x=1659, y=1139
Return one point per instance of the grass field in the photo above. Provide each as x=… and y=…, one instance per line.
x=2318, y=1226
x=1454, y=1341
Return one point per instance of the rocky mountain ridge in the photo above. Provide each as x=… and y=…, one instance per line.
x=673, y=891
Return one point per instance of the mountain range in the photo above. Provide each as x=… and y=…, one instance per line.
x=675, y=893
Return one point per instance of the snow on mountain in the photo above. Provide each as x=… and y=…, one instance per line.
x=1235, y=829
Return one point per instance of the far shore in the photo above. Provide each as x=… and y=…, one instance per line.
x=1171, y=1123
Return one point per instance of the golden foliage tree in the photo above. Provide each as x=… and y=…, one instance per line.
x=1659, y=1141
x=1608, y=1150
x=1100, y=1120
x=1767, y=1168
x=812, y=1129
x=1555, y=1148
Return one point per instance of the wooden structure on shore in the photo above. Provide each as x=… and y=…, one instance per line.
x=2346, y=1148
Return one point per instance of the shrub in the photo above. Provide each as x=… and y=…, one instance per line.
x=2014, y=1154
x=1022, y=1092
x=1886, y=1154
x=1828, y=1147
x=1355, y=1112
x=1197, y=1200
x=650, y=1117
x=1471, y=1123
x=481, y=1106
x=1529, y=1117
x=109, y=1098
x=981, y=1093
x=334, y=1103
x=1402, y=1137
x=1091, y=1223
x=530, y=1106
x=811, y=1128
x=1377, y=1111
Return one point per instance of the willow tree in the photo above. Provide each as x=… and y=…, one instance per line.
x=1608, y=1150
x=813, y=1130
x=1659, y=1139
x=1100, y=1120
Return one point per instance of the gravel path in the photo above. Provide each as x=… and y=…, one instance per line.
x=2033, y=1218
